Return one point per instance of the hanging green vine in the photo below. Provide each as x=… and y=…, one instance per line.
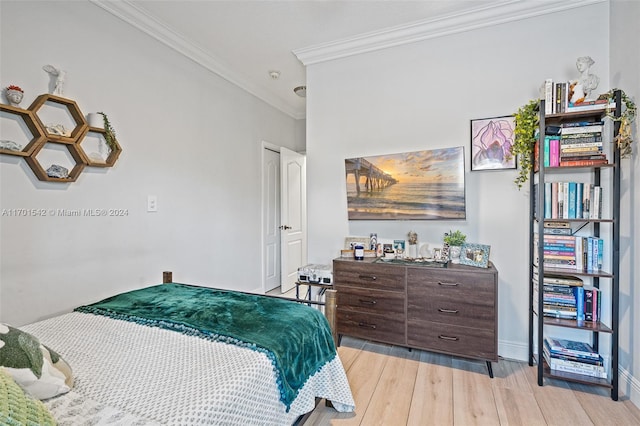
x=109, y=132
x=526, y=124
x=624, y=138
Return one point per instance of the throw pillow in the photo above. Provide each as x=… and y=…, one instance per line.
x=17, y=408
x=38, y=370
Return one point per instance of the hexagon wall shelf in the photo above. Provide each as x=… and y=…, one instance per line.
x=110, y=160
x=29, y=119
x=41, y=173
x=81, y=126
x=73, y=142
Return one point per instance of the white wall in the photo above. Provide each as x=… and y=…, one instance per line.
x=188, y=137
x=422, y=96
x=625, y=74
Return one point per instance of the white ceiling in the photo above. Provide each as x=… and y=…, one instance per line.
x=243, y=41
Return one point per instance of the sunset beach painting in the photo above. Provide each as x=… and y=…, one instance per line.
x=419, y=185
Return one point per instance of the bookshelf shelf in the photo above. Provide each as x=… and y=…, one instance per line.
x=576, y=378
x=552, y=249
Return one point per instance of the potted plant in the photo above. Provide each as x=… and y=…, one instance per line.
x=527, y=122
x=623, y=139
x=524, y=141
x=455, y=240
x=109, y=132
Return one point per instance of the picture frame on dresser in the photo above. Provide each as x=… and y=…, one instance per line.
x=475, y=255
x=491, y=141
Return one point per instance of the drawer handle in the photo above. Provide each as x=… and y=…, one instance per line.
x=367, y=302
x=447, y=284
x=448, y=311
x=367, y=325
x=368, y=277
x=447, y=338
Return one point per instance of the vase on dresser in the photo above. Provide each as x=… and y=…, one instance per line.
x=454, y=253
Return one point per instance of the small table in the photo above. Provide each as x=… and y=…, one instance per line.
x=307, y=296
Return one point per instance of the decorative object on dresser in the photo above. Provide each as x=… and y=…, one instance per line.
x=451, y=310
x=454, y=240
x=575, y=249
x=475, y=255
x=39, y=142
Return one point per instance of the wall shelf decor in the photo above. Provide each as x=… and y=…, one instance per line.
x=85, y=145
x=36, y=136
x=106, y=160
x=40, y=171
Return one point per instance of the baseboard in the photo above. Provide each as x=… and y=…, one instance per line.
x=629, y=386
x=513, y=350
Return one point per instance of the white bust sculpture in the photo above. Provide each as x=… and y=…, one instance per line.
x=586, y=83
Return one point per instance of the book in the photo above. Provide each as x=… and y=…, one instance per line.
x=548, y=87
x=595, y=107
x=554, y=154
x=582, y=129
x=556, y=223
x=591, y=307
x=582, y=123
x=571, y=347
x=565, y=280
x=577, y=367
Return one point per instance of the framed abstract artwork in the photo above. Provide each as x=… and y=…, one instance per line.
x=491, y=141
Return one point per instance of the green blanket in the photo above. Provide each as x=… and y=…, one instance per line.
x=296, y=338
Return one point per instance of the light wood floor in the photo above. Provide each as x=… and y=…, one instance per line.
x=394, y=386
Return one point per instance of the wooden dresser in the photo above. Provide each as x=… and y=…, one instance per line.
x=451, y=310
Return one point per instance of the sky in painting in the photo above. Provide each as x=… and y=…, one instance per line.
x=439, y=165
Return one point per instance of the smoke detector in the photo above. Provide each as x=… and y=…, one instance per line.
x=274, y=74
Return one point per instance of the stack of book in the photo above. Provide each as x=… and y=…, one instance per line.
x=580, y=144
x=571, y=200
x=557, y=96
x=571, y=252
x=566, y=297
x=573, y=357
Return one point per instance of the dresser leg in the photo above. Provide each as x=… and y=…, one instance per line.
x=490, y=368
x=339, y=339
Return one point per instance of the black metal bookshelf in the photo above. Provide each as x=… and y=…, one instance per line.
x=540, y=324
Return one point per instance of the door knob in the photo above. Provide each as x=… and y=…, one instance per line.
x=284, y=227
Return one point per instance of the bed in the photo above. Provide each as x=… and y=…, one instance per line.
x=182, y=354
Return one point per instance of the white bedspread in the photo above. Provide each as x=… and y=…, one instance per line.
x=134, y=374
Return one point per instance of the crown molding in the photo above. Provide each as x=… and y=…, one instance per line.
x=129, y=13
x=480, y=17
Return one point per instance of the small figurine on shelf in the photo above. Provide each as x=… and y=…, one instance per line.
x=14, y=95
x=59, y=75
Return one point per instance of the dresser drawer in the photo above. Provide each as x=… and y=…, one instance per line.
x=382, y=328
x=368, y=275
x=452, y=339
x=457, y=312
x=371, y=301
x=481, y=285
x=453, y=304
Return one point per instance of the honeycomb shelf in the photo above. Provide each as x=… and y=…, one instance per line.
x=77, y=141
x=28, y=118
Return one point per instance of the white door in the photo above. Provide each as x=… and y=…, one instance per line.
x=271, y=218
x=293, y=216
